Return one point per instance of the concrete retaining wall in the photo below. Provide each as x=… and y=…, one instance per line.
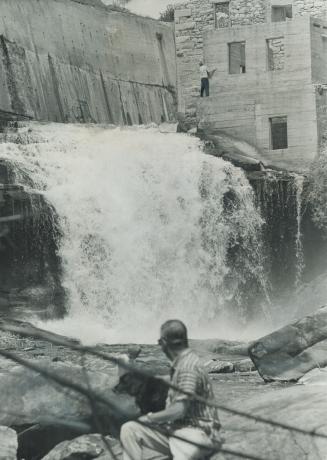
x=63, y=60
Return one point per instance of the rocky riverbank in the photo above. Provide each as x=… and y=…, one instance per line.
x=53, y=423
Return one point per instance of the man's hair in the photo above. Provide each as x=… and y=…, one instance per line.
x=174, y=332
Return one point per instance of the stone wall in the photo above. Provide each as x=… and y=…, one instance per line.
x=316, y=8
x=195, y=18
x=276, y=53
x=68, y=61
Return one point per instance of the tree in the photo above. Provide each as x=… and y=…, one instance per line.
x=168, y=15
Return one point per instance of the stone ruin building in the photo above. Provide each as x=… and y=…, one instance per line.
x=270, y=85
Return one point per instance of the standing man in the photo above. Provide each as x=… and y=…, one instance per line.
x=204, y=74
x=184, y=419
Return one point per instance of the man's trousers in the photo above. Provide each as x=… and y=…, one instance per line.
x=205, y=86
x=144, y=443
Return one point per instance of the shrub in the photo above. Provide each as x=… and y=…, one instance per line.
x=168, y=15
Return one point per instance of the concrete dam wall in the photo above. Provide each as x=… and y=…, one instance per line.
x=71, y=61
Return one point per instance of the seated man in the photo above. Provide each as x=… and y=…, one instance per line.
x=184, y=419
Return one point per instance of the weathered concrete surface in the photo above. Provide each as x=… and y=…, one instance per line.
x=287, y=354
x=63, y=60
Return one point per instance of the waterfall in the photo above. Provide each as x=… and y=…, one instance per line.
x=299, y=181
x=152, y=228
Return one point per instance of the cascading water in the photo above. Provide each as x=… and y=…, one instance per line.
x=152, y=229
x=299, y=182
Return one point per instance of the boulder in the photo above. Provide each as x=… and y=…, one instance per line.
x=215, y=366
x=27, y=397
x=45, y=414
x=245, y=365
x=168, y=127
x=8, y=443
x=290, y=352
x=86, y=447
x=300, y=406
x=220, y=347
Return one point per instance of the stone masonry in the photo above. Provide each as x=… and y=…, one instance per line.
x=194, y=18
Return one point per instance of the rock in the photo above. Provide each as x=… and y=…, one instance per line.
x=215, y=366
x=314, y=377
x=168, y=127
x=223, y=347
x=8, y=443
x=290, y=352
x=244, y=162
x=246, y=365
x=300, y=406
x=28, y=398
x=235, y=150
x=45, y=414
x=219, y=367
x=86, y=447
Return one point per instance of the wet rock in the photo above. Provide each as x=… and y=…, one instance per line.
x=168, y=127
x=246, y=163
x=8, y=443
x=290, y=352
x=86, y=447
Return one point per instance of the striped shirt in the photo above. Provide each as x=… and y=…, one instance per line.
x=188, y=374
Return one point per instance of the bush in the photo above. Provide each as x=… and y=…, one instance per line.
x=168, y=15
x=318, y=193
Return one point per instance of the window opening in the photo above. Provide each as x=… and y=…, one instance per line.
x=278, y=133
x=222, y=15
x=236, y=57
x=281, y=13
x=276, y=53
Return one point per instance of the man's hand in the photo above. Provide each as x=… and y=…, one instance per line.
x=145, y=419
x=174, y=412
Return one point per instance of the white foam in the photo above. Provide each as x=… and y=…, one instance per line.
x=146, y=233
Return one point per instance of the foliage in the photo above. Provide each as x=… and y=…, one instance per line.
x=117, y=5
x=168, y=15
x=318, y=192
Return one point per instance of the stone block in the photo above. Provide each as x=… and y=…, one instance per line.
x=182, y=39
x=292, y=351
x=185, y=26
x=183, y=13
